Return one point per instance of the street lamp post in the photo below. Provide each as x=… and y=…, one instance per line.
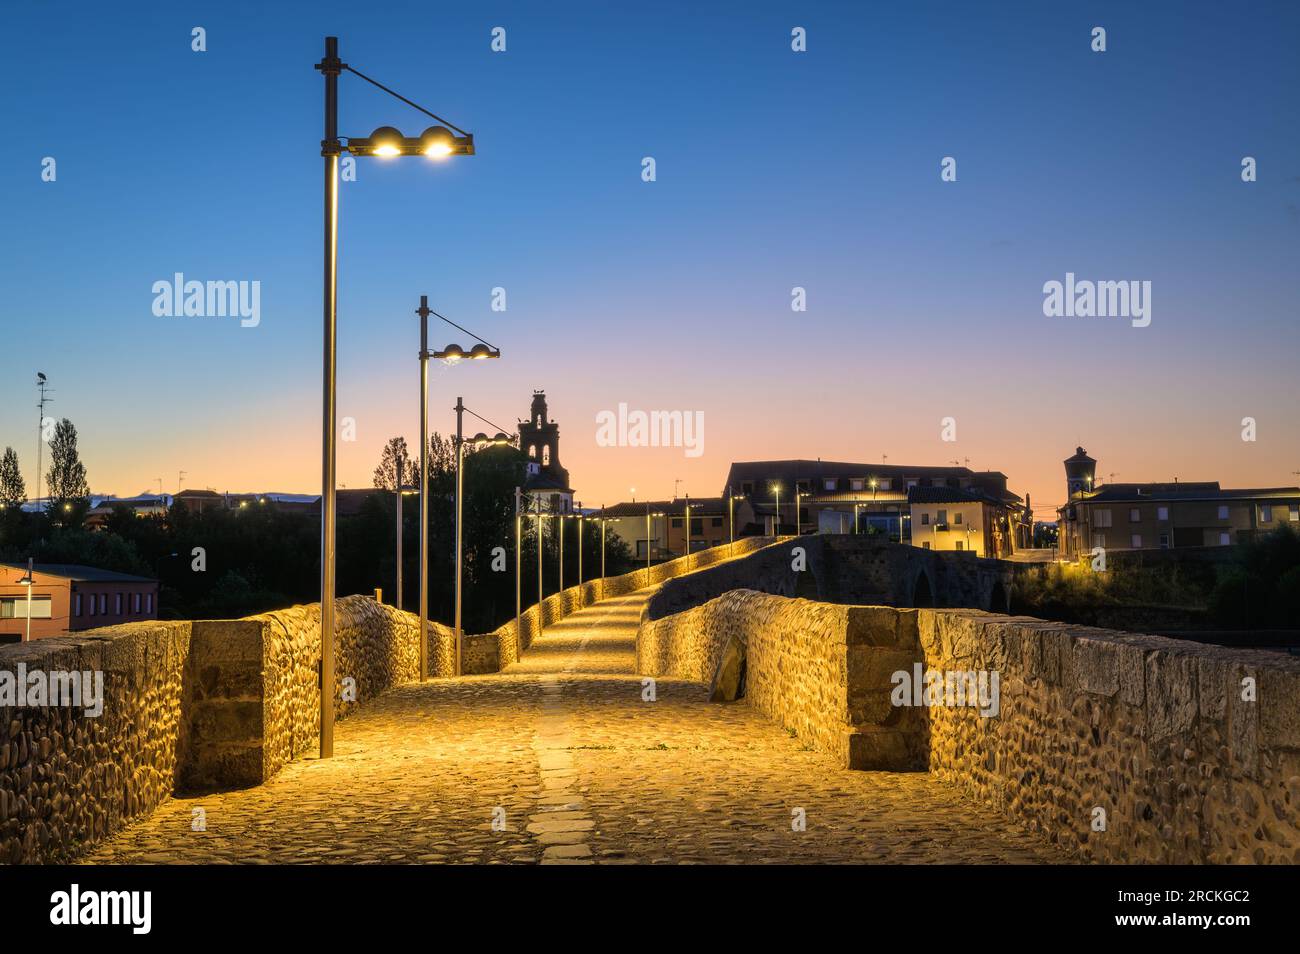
x=776, y=522
x=647, y=543
x=436, y=142
x=401, y=466
x=687, y=529
x=29, y=581
x=538, y=499
x=579, y=546
x=519, y=544
x=478, y=440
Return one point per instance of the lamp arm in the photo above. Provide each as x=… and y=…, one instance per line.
x=398, y=95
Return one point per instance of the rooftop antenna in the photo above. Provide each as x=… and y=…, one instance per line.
x=180, y=480
x=676, y=482
x=44, y=388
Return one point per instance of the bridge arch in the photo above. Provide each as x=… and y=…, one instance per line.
x=922, y=591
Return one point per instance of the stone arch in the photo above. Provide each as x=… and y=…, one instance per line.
x=999, y=601
x=922, y=591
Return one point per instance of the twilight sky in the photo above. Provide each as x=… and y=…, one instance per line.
x=775, y=169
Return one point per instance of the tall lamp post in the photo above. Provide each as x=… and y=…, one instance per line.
x=776, y=523
x=478, y=440
x=686, y=517
x=451, y=353
x=29, y=581
x=401, y=468
x=436, y=142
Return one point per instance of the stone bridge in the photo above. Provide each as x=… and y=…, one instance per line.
x=597, y=741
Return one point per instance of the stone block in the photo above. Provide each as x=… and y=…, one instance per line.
x=1170, y=694
x=1096, y=666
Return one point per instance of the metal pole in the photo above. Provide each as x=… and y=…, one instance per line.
x=602, y=552
x=798, y=525
x=424, y=312
x=330, y=68
x=31, y=585
x=579, y=549
x=519, y=545
x=460, y=513
x=687, y=528
x=539, y=564
x=559, y=525
x=401, y=466
x=647, y=543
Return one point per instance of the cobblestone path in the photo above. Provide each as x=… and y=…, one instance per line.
x=564, y=752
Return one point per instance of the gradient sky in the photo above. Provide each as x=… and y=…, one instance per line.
x=775, y=169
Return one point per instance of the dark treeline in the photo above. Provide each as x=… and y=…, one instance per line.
x=259, y=557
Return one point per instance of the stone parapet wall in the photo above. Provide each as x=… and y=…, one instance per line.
x=1153, y=732
x=68, y=779
x=820, y=670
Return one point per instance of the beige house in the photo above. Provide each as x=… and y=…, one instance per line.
x=944, y=518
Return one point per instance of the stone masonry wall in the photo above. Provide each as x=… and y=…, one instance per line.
x=67, y=779
x=1159, y=742
x=820, y=670
x=1154, y=732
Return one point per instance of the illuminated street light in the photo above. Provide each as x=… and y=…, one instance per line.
x=478, y=440
x=384, y=141
x=776, y=522
x=28, y=581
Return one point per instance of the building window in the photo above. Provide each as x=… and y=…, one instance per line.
x=747, y=487
x=886, y=483
x=855, y=483
x=1135, y=541
x=956, y=517
x=15, y=607
x=925, y=521
x=92, y=604
x=1225, y=538
x=117, y=604
x=1223, y=511
x=925, y=544
x=136, y=603
x=1265, y=513
x=1101, y=518
x=76, y=604
x=911, y=482
x=715, y=522
x=677, y=523
x=1295, y=512
x=829, y=483
x=642, y=547
x=1162, y=513
x=961, y=545
x=1135, y=515
x=941, y=517
x=801, y=486
x=103, y=604
x=1164, y=541
x=697, y=526
x=148, y=603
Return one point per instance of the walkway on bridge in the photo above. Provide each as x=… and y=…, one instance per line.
x=584, y=771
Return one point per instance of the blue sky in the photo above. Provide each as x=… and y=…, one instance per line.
x=775, y=169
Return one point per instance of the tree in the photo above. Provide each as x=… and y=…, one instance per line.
x=67, y=474
x=386, y=472
x=13, y=492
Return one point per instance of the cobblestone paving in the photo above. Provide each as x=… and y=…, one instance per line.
x=584, y=771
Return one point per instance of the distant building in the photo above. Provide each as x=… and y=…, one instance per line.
x=1164, y=515
x=840, y=497
x=67, y=598
x=665, y=533
x=547, y=482
x=947, y=518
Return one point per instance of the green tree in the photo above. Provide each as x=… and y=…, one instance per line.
x=386, y=472
x=12, y=489
x=67, y=475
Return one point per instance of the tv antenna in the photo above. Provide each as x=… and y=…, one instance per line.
x=44, y=388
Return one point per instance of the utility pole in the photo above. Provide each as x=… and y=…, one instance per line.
x=519, y=543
